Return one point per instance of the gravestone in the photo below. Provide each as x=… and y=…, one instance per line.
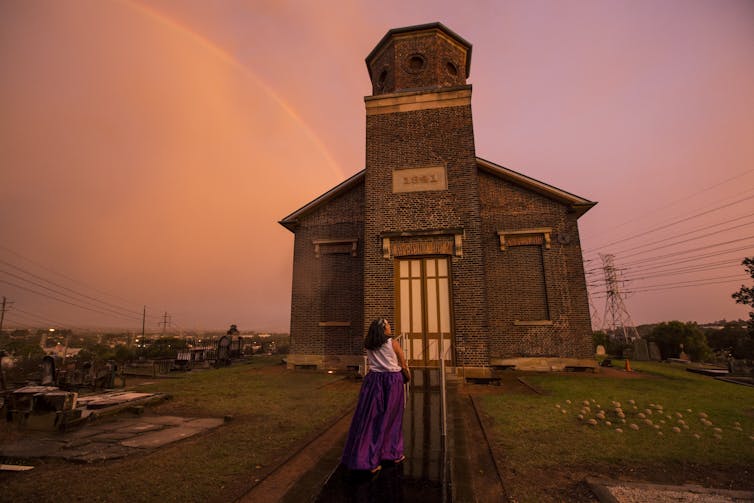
x=641, y=350
x=600, y=350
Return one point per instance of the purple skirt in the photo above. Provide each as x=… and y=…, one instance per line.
x=376, y=432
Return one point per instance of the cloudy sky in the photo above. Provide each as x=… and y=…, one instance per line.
x=148, y=148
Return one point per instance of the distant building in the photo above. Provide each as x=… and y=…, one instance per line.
x=440, y=242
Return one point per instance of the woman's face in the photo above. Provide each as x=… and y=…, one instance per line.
x=388, y=330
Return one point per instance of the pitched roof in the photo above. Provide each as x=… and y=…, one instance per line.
x=291, y=220
x=574, y=202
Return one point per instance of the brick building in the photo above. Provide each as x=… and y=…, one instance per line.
x=466, y=258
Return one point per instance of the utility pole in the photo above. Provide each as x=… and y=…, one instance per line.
x=165, y=321
x=616, y=314
x=143, y=321
x=4, y=308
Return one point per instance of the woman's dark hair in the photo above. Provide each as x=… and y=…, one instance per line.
x=376, y=336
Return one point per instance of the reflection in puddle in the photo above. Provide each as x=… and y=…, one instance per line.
x=423, y=477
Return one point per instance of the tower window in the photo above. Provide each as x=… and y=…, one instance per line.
x=381, y=79
x=451, y=68
x=416, y=63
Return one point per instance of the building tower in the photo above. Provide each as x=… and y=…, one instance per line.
x=421, y=188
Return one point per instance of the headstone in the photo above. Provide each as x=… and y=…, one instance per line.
x=683, y=355
x=641, y=350
x=600, y=350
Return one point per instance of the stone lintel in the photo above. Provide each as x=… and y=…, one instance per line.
x=418, y=100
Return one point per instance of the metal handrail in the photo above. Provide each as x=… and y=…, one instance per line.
x=402, y=340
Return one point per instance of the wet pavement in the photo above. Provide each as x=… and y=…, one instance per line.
x=423, y=477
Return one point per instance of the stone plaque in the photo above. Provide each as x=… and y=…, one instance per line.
x=419, y=179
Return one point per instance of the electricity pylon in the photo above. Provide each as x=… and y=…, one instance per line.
x=617, y=319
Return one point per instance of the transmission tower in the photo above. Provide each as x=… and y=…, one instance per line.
x=617, y=320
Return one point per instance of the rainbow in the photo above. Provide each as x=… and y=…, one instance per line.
x=229, y=59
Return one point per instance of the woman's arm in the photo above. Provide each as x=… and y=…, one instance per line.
x=401, y=357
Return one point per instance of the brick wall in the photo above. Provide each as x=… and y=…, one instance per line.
x=435, y=137
x=329, y=288
x=505, y=206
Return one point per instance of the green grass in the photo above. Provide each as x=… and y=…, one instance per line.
x=273, y=411
x=543, y=434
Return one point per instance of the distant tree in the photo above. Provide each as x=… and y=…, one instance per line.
x=745, y=295
x=91, y=350
x=124, y=353
x=165, y=347
x=732, y=339
x=670, y=335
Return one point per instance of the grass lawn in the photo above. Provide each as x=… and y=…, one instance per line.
x=545, y=449
x=273, y=411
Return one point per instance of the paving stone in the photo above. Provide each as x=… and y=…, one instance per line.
x=205, y=422
x=162, y=437
x=171, y=420
x=31, y=448
x=112, y=436
x=140, y=427
x=96, y=452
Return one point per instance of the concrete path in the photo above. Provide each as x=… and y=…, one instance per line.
x=459, y=468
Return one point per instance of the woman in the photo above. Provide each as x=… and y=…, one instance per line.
x=376, y=432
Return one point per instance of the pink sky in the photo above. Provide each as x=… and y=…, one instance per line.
x=148, y=149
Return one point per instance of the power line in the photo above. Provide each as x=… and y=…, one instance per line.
x=13, y=252
x=665, y=263
x=62, y=300
x=64, y=295
x=643, y=246
x=65, y=288
x=673, y=203
x=691, y=250
x=665, y=226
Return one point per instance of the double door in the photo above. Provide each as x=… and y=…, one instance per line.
x=423, y=310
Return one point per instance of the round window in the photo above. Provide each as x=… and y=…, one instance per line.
x=415, y=63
